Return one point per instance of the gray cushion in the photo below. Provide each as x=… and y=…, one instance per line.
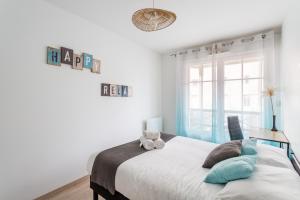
x=223, y=152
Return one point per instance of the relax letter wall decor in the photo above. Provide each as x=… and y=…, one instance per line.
x=67, y=56
x=112, y=90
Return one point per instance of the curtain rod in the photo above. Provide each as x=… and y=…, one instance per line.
x=243, y=39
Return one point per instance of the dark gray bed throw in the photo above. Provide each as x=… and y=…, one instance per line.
x=107, y=162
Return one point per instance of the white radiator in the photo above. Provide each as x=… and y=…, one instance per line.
x=154, y=124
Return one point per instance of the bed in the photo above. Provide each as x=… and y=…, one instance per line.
x=175, y=173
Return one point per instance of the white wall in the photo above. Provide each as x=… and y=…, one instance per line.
x=53, y=118
x=169, y=93
x=291, y=76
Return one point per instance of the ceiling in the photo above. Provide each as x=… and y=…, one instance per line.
x=198, y=21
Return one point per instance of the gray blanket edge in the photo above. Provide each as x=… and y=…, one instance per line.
x=107, y=162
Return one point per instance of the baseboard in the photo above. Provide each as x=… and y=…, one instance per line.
x=63, y=188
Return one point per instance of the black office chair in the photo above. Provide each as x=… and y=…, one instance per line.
x=234, y=128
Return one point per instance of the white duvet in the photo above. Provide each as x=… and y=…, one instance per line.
x=175, y=173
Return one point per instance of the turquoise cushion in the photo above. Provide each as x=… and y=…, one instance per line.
x=231, y=169
x=249, y=147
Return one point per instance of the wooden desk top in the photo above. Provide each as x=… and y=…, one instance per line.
x=265, y=134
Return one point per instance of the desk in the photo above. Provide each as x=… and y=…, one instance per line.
x=268, y=135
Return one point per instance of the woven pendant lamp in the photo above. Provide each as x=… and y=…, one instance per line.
x=153, y=19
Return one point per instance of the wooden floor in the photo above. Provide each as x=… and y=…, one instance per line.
x=78, y=191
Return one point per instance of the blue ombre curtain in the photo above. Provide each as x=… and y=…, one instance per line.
x=184, y=60
x=181, y=95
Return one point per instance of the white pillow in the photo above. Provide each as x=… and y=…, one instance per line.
x=267, y=183
x=273, y=156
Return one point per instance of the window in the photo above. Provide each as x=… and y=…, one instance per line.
x=238, y=91
x=200, y=97
x=243, y=85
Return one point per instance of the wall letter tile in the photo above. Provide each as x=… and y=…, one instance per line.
x=87, y=61
x=124, y=91
x=77, y=62
x=113, y=90
x=66, y=56
x=119, y=90
x=105, y=89
x=53, y=56
x=130, y=91
x=96, y=66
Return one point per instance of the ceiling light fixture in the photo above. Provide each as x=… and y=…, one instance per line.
x=153, y=19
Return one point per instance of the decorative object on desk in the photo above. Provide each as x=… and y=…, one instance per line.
x=153, y=19
x=53, y=56
x=113, y=90
x=270, y=92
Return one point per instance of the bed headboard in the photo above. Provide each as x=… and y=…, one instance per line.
x=154, y=124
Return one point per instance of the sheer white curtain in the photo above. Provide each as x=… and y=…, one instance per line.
x=195, y=77
x=222, y=79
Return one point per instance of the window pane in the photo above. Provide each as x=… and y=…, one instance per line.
x=206, y=129
x=195, y=116
x=252, y=86
x=206, y=118
x=207, y=72
x=232, y=71
x=252, y=95
x=200, y=118
x=233, y=95
x=207, y=95
x=252, y=69
x=251, y=121
x=195, y=74
x=195, y=95
x=252, y=103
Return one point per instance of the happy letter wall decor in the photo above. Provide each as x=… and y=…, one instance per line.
x=67, y=56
